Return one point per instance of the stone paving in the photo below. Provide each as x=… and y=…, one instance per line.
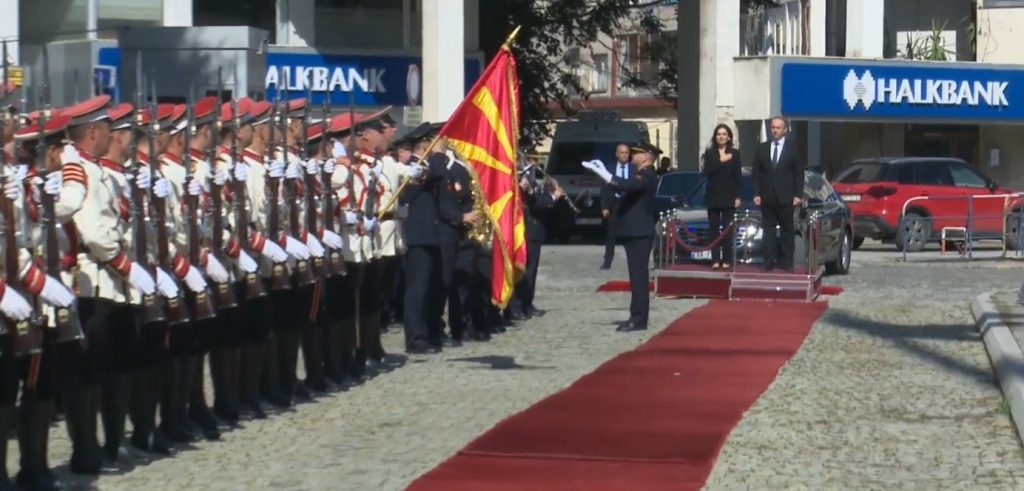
x=383, y=434
x=892, y=389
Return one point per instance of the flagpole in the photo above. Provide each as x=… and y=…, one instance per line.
x=405, y=180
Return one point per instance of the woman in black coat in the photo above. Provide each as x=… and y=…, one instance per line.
x=722, y=165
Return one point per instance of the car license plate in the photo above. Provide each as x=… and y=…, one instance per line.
x=701, y=255
x=588, y=221
x=851, y=198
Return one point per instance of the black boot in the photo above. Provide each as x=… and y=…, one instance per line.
x=198, y=411
x=288, y=354
x=33, y=438
x=352, y=340
x=376, y=352
x=115, y=394
x=313, y=356
x=332, y=347
x=224, y=389
x=271, y=377
x=249, y=387
x=149, y=384
x=170, y=427
x=186, y=379
x=80, y=410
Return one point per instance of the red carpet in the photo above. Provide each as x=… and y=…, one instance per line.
x=653, y=418
x=619, y=286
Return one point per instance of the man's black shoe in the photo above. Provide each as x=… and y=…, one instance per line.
x=419, y=347
x=479, y=336
x=606, y=265
x=454, y=342
x=535, y=312
x=632, y=326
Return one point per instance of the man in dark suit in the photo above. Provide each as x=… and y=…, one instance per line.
x=610, y=197
x=634, y=218
x=778, y=173
x=422, y=258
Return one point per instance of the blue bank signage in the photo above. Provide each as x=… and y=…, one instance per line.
x=372, y=80
x=901, y=91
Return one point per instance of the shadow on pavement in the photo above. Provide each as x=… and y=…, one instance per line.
x=498, y=362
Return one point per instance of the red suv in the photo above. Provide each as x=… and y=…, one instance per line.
x=937, y=193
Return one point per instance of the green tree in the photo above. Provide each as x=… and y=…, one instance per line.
x=550, y=28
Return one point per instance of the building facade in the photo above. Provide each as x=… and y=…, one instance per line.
x=858, y=78
x=418, y=55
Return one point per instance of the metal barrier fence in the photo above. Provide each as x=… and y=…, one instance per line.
x=977, y=224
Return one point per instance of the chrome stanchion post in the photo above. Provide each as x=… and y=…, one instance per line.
x=967, y=228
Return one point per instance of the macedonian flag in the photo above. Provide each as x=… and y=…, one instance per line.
x=484, y=131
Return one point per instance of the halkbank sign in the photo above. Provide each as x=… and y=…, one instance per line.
x=901, y=91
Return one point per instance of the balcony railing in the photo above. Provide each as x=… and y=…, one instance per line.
x=778, y=30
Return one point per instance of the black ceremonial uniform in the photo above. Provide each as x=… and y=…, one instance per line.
x=634, y=223
x=458, y=253
x=538, y=204
x=422, y=257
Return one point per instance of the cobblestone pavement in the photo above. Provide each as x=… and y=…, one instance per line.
x=892, y=389
x=383, y=434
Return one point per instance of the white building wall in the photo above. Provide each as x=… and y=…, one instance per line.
x=177, y=13
x=443, y=59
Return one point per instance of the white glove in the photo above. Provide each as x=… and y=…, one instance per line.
x=297, y=249
x=56, y=294
x=338, y=150
x=221, y=176
x=194, y=279
x=597, y=167
x=246, y=263
x=12, y=188
x=141, y=279
x=194, y=188
x=14, y=306
x=332, y=240
x=143, y=180
x=369, y=224
x=70, y=155
x=54, y=181
x=273, y=252
x=168, y=288
x=275, y=169
x=402, y=211
x=292, y=171
x=315, y=248
x=312, y=167
x=241, y=172
x=377, y=170
x=329, y=166
x=415, y=171
x=21, y=171
x=351, y=217
x=160, y=189
x=215, y=270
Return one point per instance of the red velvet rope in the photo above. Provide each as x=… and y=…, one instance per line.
x=673, y=226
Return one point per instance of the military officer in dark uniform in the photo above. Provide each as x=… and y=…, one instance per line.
x=538, y=199
x=459, y=286
x=634, y=219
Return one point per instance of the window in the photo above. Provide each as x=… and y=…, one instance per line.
x=44, y=22
x=862, y=172
x=600, y=74
x=363, y=4
x=932, y=174
x=815, y=187
x=677, y=183
x=114, y=14
x=967, y=177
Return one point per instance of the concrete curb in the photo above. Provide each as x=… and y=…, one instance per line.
x=1005, y=354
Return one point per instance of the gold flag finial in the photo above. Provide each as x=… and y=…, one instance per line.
x=512, y=37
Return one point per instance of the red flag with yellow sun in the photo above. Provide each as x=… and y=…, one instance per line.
x=484, y=132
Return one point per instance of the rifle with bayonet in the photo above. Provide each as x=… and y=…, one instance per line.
x=28, y=333
x=253, y=283
x=353, y=166
x=335, y=259
x=279, y=279
x=303, y=275
x=224, y=293
x=152, y=308
x=66, y=320
x=319, y=267
x=176, y=310
x=203, y=308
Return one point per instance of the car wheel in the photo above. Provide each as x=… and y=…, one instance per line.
x=859, y=241
x=914, y=232
x=842, y=263
x=1015, y=232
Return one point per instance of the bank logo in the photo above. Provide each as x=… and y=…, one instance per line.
x=859, y=89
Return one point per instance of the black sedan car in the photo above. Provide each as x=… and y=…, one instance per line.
x=689, y=221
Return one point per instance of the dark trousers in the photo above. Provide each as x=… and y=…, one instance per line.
x=442, y=290
x=609, y=242
x=527, y=287
x=638, y=254
x=781, y=215
x=470, y=291
x=720, y=219
x=421, y=264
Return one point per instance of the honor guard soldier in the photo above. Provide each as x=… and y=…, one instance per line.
x=457, y=219
x=33, y=368
x=538, y=199
x=392, y=242
x=422, y=260
x=634, y=218
x=101, y=270
x=262, y=169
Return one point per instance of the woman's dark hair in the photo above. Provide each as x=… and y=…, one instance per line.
x=728, y=131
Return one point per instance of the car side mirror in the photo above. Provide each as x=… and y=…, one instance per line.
x=992, y=186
